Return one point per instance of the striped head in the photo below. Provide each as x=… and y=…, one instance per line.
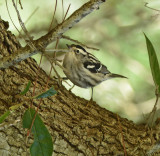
x=77, y=51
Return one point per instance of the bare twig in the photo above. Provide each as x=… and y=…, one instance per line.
x=66, y=12
x=55, y=61
x=23, y=27
x=52, y=67
x=11, y=18
x=54, y=54
x=20, y=4
x=30, y=16
x=146, y=5
x=58, y=38
x=56, y=50
x=57, y=42
x=52, y=36
x=33, y=93
x=53, y=16
x=73, y=40
x=70, y=22
x=62, y=10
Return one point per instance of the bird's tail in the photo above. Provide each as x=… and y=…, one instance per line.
x=111, y=75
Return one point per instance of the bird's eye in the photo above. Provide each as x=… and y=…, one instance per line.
x=77, y=51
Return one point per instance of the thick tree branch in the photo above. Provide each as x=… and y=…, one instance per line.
x=75, y=128
x=53, y=35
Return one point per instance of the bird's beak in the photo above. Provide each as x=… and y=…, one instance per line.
x=68, y=46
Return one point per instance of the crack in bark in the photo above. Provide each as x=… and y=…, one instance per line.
x=75, y=147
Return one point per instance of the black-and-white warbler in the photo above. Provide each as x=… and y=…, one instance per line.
x=84, y=69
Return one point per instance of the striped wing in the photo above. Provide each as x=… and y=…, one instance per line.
x=95, y=66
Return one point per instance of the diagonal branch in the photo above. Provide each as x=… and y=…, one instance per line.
x=78, y=15
x=53, y=35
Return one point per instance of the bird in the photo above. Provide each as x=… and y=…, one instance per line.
x=84, y=69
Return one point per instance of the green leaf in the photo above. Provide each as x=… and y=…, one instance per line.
x=153, y=63
x=42, y=145
x=46, y=94
x=26, y=89
x=4, y=116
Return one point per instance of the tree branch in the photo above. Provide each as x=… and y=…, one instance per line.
x=53, y=35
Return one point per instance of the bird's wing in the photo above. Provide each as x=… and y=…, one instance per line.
x=95, y=66
x=92, y=66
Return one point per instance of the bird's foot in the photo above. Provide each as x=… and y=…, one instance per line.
x=89, y=102
x=71, y=88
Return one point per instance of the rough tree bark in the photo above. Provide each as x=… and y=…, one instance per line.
x=76, y=130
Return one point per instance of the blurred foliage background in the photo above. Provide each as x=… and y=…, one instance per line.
x=117, y=30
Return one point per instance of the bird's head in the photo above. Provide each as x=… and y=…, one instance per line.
x=78, y=51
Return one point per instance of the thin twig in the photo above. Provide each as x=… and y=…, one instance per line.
x=11, y=18
x=56, y=62
x=23, y=27
x=59, y=77
x=66, y=12
x=146, y=5
x=76, y=41
x=79, y=14
x=33, y=93
x=44, y=89
x=20, y=4
x=28, y=132
x=53, y=16
x=58, y=38
x=62, y=10
x=56, y=50
x=54, y=54
x=53, y=35
x=41, y=98
x=30, y=17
